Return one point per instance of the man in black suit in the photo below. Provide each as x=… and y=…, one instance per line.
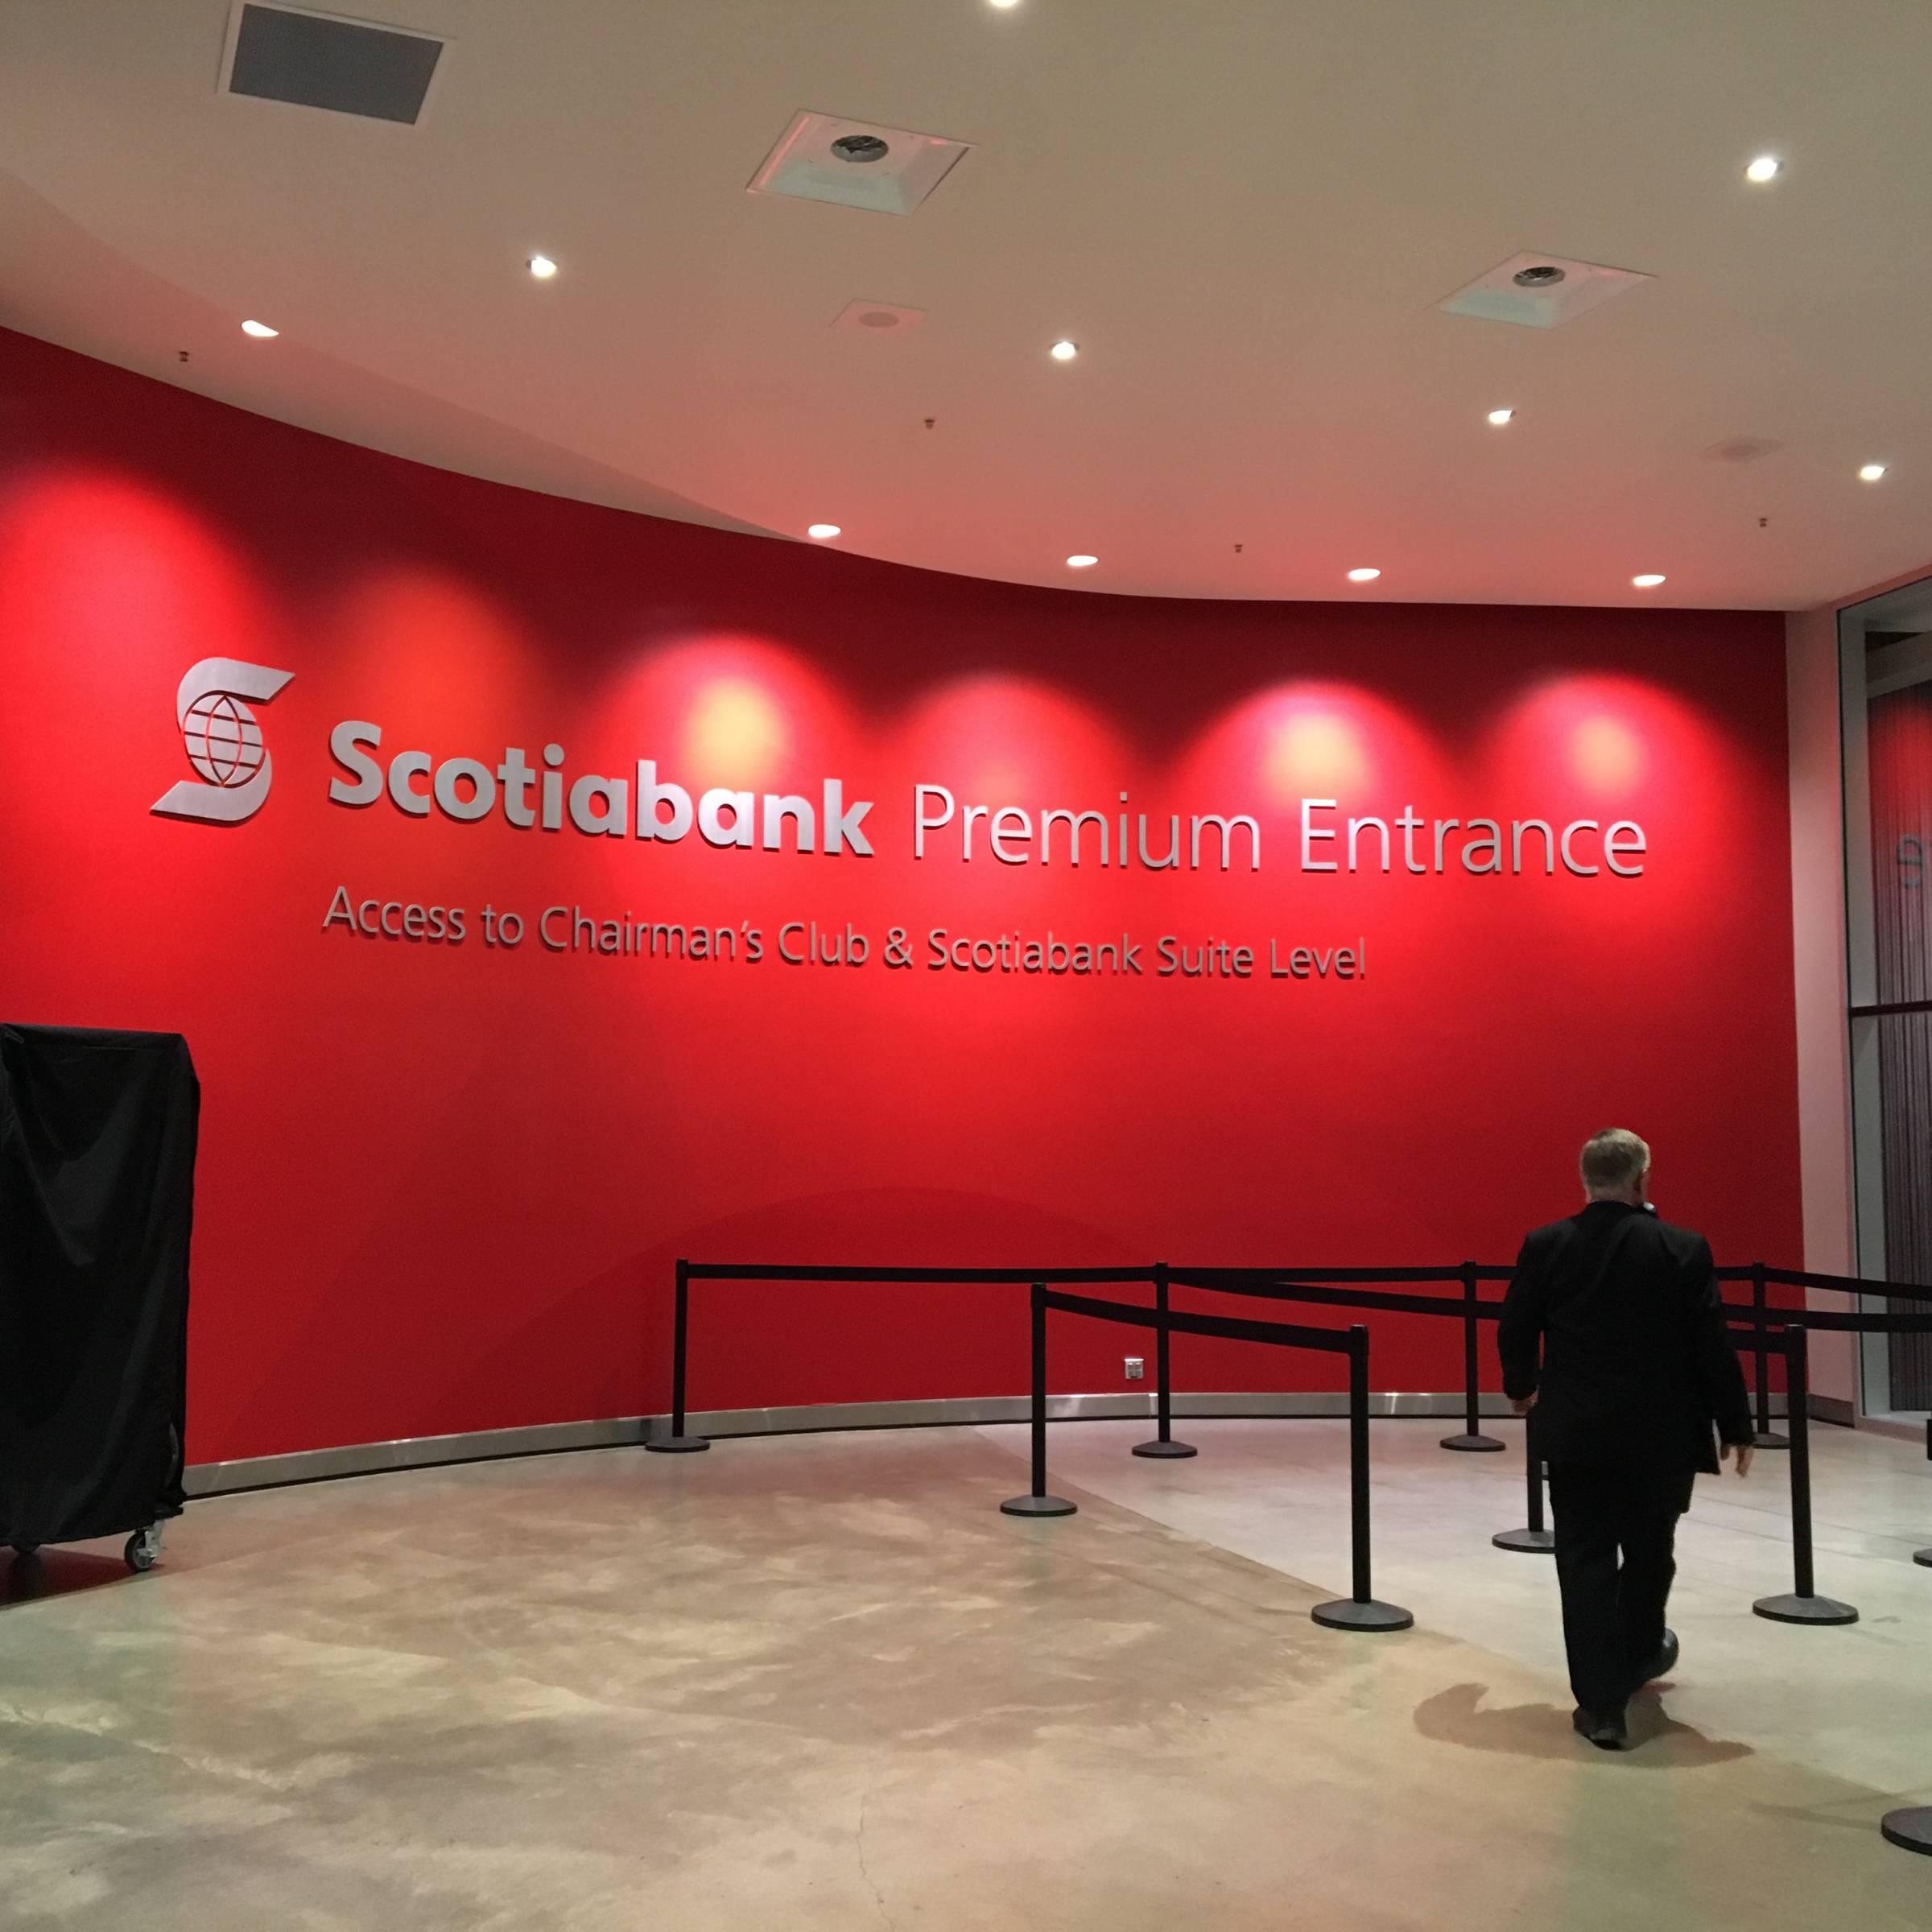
x=1636, y=1365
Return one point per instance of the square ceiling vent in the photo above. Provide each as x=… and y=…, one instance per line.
x=306, y=59
x=1541, y=291
x=853, y=164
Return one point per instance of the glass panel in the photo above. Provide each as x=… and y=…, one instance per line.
x=1900, y=724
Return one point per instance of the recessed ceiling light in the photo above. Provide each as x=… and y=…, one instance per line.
x=261, y=330
x=1003, y=5
x=1764, y=168
x=1498, y=417
x=1871, y=473
x=543, y=267
x=1081, y=563
x=1064, y=351
x=1364, y=576
x=1648, y=580
x=822, y=531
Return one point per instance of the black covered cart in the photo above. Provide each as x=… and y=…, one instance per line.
x=96, y=1198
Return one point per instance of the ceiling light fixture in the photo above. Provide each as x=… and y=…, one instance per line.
x=822, y=532
x=1081, y=563
x=1648, y=580
x=1064, y=351
x=1498, y=417
x=1871, y=473
x=260, y=331
x=1004, y=5
x=1364, y=576
x=543, y=267
x=1764, y=168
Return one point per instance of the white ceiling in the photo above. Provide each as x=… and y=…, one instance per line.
x=1245, y=211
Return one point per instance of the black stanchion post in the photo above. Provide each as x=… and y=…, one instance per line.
x=677, y=1443
x=1037, y=1502
x=1924, y=1556
x=1804, y=1605
x=1767, y=1437
x=1472, y=1437
x=1911, y=1829
x=1534, y=1538
x=1163, y=1444
x=1359, y=1610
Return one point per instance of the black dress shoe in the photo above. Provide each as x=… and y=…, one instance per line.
x=1608, y=1733
x=1663, y=1663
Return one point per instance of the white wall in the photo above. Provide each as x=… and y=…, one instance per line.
x=1818, y=923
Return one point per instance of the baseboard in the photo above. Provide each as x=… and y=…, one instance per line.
x=408, y=1453
x=1834, y=1408
x=551, y=1438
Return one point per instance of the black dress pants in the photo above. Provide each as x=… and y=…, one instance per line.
x=1616, y=1534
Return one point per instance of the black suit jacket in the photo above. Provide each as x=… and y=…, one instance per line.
x=1636, y=1362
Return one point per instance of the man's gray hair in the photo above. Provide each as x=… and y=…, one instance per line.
x=1612, y=1159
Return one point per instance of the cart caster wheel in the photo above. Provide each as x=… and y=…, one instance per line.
x=24, y=1550
x=142, y=1548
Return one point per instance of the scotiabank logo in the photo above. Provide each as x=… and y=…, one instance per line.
x=223, y=741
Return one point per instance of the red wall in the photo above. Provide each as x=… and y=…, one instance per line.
x=441, y=1186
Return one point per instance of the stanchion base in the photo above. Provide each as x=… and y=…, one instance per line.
x=1474, y=1445
x=1168, y=1452
x=1770, y=1438
x=1345, y=1613
x=1805, y=1610
x=1924, y=1557
x=1911, y=1829
x=1039, y=1505
x=677, y=1445
x=1527, y=1542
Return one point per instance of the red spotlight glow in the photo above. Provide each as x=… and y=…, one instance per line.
x=1316, y=749
x=1318, y=739
x=1606, y=753
x=736, y=729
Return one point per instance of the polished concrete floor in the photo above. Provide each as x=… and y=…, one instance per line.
x=820, y=1681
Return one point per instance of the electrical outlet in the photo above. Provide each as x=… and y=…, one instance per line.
x=1137, y=1367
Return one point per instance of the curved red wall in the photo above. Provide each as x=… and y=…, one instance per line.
x=441, y=1186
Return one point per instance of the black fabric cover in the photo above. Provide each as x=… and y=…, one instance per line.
x=96, y=1197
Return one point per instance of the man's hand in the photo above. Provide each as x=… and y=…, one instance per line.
x=1521, y=1404
x=1744, y=1451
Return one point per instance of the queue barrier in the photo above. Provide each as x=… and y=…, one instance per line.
x=679, y=1441
x=1322, y=1286
x=1770, y=1331
x=1909, y=1827
x=1762, y=1277
x=1802, y=1604
x=1342, y=1287
x=1360, y=1609
x=1334, y=1287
